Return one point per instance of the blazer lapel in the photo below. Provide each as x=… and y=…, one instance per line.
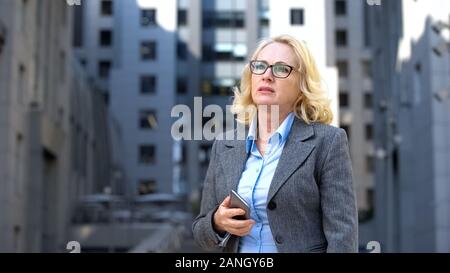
x=233, y=161
x=295, y=152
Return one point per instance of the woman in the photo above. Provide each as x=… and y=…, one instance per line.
x=296, y=177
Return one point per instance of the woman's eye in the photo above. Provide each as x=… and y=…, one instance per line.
x=260, y=66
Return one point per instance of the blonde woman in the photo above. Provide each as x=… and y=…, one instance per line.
x=293, y=169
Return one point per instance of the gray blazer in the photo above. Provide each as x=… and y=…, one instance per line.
x=311, y=203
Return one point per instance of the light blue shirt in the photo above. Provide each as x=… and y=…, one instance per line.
x=255, y=182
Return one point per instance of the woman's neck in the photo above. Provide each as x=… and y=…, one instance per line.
x=269, y=119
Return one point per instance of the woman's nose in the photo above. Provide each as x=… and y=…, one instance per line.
x=268, y=74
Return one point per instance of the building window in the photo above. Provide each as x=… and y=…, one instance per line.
x=148, y=84
x=297, y=17
x=147, y=186
x=342, y=67
x=369, y=164
x=370, y=199
x=103, y=69
x=106, y=8
x=340, y=7
x=224, y=52
x=218, y=86
x=341, y=38
x=206, y=87
x=105, y=38
x=224, y=19
x=264, y=17
x=344, y=99
x=148, y=17
x=182, y=17
x=147, y=154
x=366, y=69
x=182, y=87
x=181, y=51
x=148, y=50
x=147, y=119
x=368, y=100
x=369, y=132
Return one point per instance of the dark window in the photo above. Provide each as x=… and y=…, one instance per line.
x=147, y=119
x=342, y=67
x=207, y=53
x=218, y=86
x=224, y=19
x=297, y=17
x=105, y=38
x=344, y=99
x=148, y=17
x=369, y=131
x=148, y=84
x=340, y=7
x=147, y=186
x=207, y=87
x=232, y=53
x=148, y=50
x=182, y=87
x=182, y=17
x=368, y=100
x=147, y=154
x=182, y=51
x=341, y=37
x=223, y=55
x=370, y=199
x=369, y=164
x=103, y=69
x=106, y=7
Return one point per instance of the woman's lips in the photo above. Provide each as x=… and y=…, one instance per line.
x=266, y=89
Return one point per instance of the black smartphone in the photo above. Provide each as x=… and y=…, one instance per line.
x=238, y=202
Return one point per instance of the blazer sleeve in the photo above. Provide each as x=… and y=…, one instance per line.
x=202, y=226
x=338, y=202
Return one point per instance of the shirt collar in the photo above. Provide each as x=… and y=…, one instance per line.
x=282, y=132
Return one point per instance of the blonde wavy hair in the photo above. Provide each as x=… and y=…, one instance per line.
x=312, y=104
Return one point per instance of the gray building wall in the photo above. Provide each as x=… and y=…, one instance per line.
x=422, y=171
x=126, y=100
x=411, y=128
x=356, y=85
x=39, y=181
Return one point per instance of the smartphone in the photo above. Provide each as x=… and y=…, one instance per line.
x=238, y=202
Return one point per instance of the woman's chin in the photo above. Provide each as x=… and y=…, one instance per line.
x=265, y=102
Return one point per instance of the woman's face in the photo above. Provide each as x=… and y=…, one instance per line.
x=270, y=90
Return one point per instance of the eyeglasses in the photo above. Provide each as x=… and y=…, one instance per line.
x=279, y=70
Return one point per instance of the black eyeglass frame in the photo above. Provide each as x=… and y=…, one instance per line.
x=271, y=68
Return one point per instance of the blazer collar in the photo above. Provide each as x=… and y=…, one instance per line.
x=295, y=152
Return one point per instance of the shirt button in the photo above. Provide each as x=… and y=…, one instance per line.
x=272, y=205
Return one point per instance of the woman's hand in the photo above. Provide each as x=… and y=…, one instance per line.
x=224, y=222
